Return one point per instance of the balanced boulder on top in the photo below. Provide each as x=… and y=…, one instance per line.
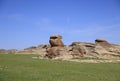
x=56, y=41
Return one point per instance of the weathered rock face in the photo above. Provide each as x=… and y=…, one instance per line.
x=106, y=50
x=101, y=46
x=57, y=46
x=52, y=52
x=40, y=49
x=102, y=43
x=101, y=49
x=83, y=49
x=56, y=41
x=77, y=49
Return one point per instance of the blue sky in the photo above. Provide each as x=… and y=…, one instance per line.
x=25, y=23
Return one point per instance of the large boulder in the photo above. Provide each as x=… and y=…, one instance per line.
x=83, y=49
x=56, y=52
x=103, y=49
x=57, y=46
x=56, y=41
x=102, y=46
x=77, y=49
x=102, y=43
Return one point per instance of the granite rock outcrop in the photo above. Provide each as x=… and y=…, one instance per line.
x=57, y=50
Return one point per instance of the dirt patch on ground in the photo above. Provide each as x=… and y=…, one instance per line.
x=95, y=61
x=84, y=60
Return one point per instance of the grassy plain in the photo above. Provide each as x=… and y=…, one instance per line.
x=25, y=68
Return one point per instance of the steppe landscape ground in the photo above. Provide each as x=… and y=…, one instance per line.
x=19, y=67
x=59, y=40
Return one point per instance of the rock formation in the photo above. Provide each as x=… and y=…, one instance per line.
x=102, y=43
x=57, y=50
x=56, y=46
x=56, y=41
x=77, y=49
x=40, y=49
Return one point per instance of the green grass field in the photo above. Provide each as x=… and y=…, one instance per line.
x=25, y=68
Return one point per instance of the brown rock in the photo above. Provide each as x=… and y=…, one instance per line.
x=55, y=41
x=102, y=43
x=30, y=48
x=53, y=52
x=43, y=46
x=77, y=49
x=56, y=46
x=40, y=49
